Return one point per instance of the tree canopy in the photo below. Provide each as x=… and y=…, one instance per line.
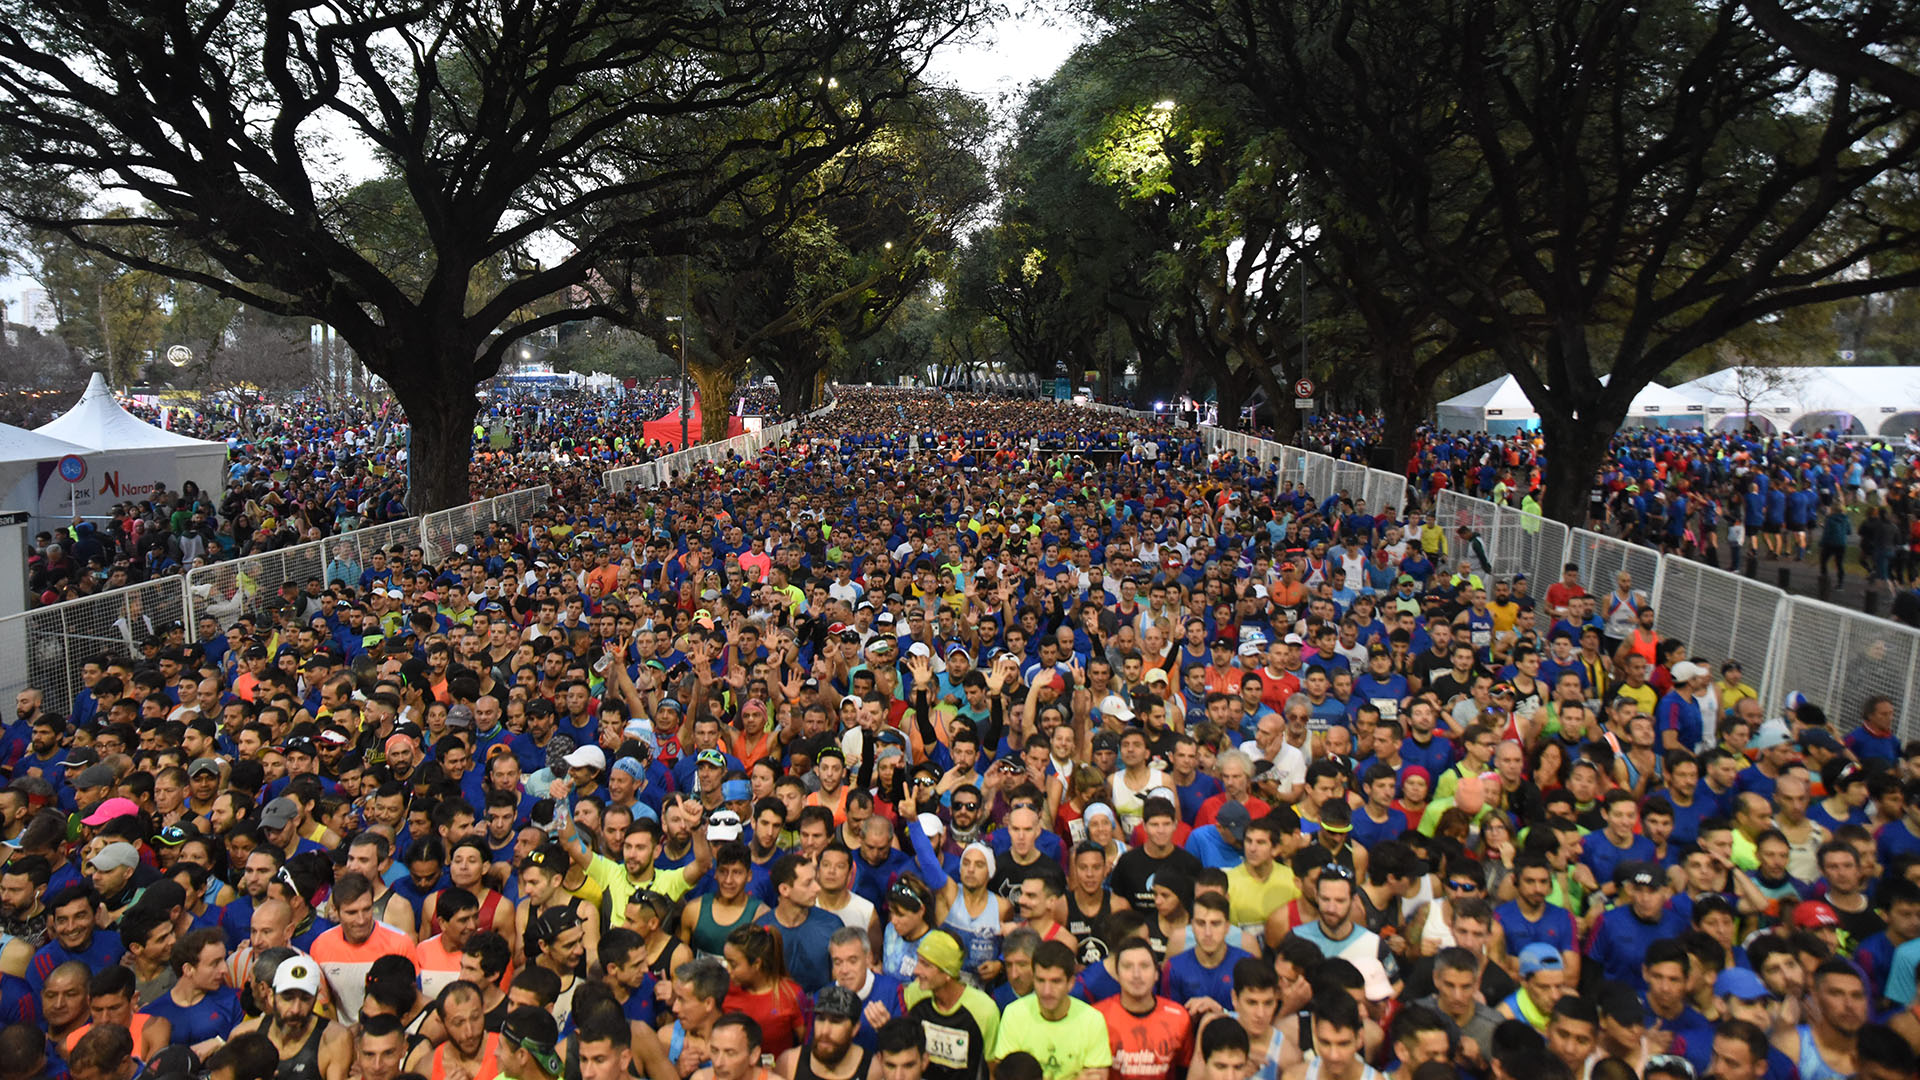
x=592, y=131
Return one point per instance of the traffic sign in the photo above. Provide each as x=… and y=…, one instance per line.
x=1303, y=404
x=1303, y=388
x=73, y=469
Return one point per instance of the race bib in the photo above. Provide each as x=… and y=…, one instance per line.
x=947, y=1047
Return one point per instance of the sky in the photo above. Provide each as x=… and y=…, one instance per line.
x=1027, y=45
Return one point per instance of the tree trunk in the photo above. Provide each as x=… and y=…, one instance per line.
x=796, y=393
x=716, y=383
x=1575, y=447
x=440, y=443
x=1286, y=420
x=1231, y=394
x=1407, y=397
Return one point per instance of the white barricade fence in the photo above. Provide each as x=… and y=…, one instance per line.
x=664, y=470
x=443, y=530
x=227, y=590
x=1452, y=510
x=1602, y=558
x=1532, y=545
x=1385, y=492
x=1350, y=477
x=46, y=647
x=347, y=556
x=1319, y=476
x=250, y=585
x=1292, y=467
x=1839, y=659
x=1721, y=616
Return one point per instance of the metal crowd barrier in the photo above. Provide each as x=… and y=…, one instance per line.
x=1838, y=658
x=47, y=647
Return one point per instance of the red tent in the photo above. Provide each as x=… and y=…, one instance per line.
x=667, y=428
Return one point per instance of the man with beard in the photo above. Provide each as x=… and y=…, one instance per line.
x=45, y=758
x=964, y=824
x=23, y=918
x=562, y=940
x=831, y=1053
x=26, y=709
x=311, y=1048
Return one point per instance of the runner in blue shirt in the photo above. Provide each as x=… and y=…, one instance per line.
x=1205, y=971
x=1624, y=933
x=1602, y=852
x=1528, y=919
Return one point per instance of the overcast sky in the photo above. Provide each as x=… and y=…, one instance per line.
x=1028, y=45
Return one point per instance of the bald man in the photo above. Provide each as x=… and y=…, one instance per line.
x=270, y=928
x=1791, y=796
x=63, y=1000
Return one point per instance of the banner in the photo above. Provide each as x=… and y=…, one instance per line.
x=102, y=479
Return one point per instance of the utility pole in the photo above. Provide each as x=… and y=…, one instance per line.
x=686, y=319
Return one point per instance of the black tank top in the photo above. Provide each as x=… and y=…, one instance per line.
x=1090, y=929
x=659, y=967
x=305, y=1063
x=804, y=1071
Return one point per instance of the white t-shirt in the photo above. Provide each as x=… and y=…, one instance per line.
x=1291, y=768
x=858, y=913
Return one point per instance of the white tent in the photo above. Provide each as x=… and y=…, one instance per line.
x=1499, y=406
x=126, y=458
x=1663, y=406
x=1502, y=407
x=27, y=458
x=1808, y=400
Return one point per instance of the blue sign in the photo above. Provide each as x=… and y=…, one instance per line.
x=73, y=469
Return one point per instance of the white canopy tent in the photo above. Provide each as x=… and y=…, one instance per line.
x=126, y=458
x=27, y=460
x=1872, y=401
x=1664, y=406
x=1502, y=408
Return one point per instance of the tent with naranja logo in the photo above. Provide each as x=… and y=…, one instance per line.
x=123, y=459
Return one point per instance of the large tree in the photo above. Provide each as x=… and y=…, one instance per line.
x=600, y=128
x=786, y=277
x=1640, y=180
x=1869, y=41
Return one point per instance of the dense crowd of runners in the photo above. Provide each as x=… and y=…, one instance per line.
x=300, y=470
x=1718, y=496
x=952, y=738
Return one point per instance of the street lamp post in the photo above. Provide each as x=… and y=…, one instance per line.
x=683, y=377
